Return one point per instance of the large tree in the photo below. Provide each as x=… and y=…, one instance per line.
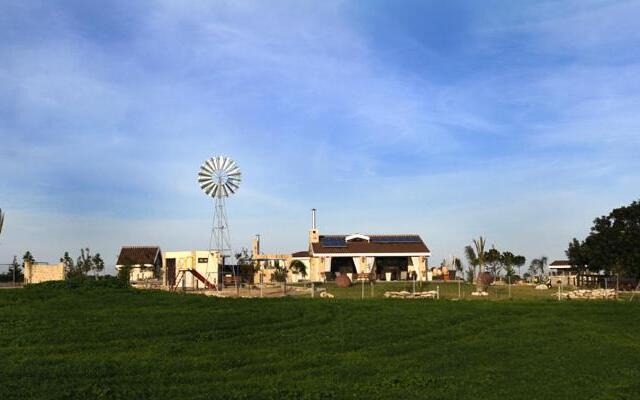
x=28, y=257
x=538, y=265
x=510, y=261
x=69, y=266
x=613, y=245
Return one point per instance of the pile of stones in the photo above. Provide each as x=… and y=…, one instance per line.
x=591, y=294
x=432, y=294
x=480, y=294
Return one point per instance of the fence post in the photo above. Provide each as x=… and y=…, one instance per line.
x=438, y=292
x=362, y=289
x=313, y=290
x=509, y=280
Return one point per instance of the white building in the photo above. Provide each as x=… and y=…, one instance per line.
x=195, y=269
x=145, y=262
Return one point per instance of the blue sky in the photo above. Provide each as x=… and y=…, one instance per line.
x=513, y=120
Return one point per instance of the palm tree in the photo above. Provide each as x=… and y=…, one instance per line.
x=477, y=258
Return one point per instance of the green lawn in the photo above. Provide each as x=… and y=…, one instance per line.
x=108, y=343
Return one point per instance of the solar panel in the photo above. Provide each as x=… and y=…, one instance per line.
x=333, y=241
x=396, y=239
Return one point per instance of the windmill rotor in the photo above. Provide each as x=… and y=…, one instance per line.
x=219, y=177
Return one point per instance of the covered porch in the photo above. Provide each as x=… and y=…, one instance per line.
x=380, y=268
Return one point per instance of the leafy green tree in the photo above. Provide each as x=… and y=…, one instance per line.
x=519, y=262
x=15, y=271
x=298, y=267
x=246, y=265
x=612, y=245
x=69, y=266
x=98, y=264
x=85, y=262
x=494, y=261
x=28, y=257
x=537, y=266
x=510, y=261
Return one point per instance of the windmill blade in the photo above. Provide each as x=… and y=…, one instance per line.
x=1, y=220
x=212, y=190
x=207, y=187
x=219, y=162
x=206, y=167
x=231, y=166
x=214, y=162
x=225, y=163
x=229, y=188
x=232, y=185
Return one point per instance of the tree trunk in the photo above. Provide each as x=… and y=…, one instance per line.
x=479, y=283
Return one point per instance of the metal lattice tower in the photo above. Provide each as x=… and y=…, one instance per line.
x=219, y=177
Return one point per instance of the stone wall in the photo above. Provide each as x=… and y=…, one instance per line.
x=36, y=273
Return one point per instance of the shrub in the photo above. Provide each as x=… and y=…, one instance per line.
x=81, y=283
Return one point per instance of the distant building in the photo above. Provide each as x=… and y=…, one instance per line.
x=145, y=262
x=385, y=257
x=194, y=269
x=562, y=272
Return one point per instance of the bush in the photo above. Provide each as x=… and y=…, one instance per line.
x=279, y=275
x=82, y=283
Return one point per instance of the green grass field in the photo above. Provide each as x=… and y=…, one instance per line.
x=109, y=343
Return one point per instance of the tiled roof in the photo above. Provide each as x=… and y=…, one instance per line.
x=560, y=262
x=378, y=244
x=133, y=255
x=300, y=254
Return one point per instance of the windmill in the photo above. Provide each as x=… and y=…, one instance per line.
x=219, y=178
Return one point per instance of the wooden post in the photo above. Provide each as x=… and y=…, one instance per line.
x=509, y=283
x=313, y=290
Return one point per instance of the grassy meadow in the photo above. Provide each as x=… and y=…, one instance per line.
x=127, y=344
